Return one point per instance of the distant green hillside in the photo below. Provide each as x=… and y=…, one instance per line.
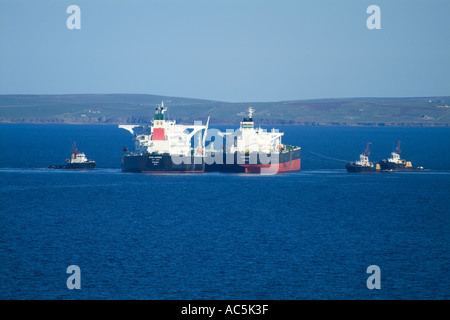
x=139, y=108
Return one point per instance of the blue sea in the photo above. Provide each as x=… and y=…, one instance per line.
x=310, y=234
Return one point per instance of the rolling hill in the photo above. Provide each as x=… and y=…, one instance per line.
x=139, y=108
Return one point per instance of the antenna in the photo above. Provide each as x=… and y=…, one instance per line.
x=250, y=112
x=163, y=109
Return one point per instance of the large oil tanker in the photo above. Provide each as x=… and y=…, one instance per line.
x=252, y=150
x=164, y=147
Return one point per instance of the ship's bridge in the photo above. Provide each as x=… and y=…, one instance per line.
x=247, y=123
x=251, y=139
x=165, y=136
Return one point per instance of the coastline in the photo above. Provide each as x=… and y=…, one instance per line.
x=116, y=109
x=225, y=123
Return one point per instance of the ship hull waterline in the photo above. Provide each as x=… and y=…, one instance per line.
x=160, y=163
x=163, y=163
x=256, y=162
x=387, y=165
x=354, y=168
x=75, y=166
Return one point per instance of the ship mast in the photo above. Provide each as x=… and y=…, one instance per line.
x=367, y=153
x=75, y=150
x=250, y=112
x=398, y=147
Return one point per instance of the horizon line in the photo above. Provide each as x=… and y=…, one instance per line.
x=204, y=99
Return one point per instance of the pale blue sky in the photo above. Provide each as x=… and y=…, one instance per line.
x=229, y=50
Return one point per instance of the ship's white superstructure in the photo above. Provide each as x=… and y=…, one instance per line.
x=78, y=158
x=364, y=158
x=364, y=161
x=395, y=158
x=167, y=137
x=248, y=139
x=253, y=139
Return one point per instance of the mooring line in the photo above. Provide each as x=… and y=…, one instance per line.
x=321, y=155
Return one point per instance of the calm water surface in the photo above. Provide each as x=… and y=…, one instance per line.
x=304, y=235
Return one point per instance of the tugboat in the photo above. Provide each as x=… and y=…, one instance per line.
x=363, y=165
x=164, y=146
x=253, y=150
x=394, y=163
x=77, y=160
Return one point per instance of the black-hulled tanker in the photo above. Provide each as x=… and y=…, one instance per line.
x=164, y=147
